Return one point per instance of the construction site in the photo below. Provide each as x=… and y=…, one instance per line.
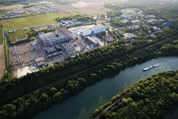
x=52, y=48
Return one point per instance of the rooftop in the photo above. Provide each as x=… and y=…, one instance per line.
x=65, y=31
x=39, y=59
x=92, y=40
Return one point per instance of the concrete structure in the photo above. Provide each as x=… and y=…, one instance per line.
x=86, y=32
x=92, y=41
x=98, y=29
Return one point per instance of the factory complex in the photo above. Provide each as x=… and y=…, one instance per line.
x=55, y=47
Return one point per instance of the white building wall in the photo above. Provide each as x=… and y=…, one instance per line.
x=86, y=33
x=99, y=30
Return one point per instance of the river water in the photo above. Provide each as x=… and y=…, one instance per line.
x=84, y=103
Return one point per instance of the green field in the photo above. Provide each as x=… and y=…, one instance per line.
x=19, y=34
x=30, y=21
x=1, y=37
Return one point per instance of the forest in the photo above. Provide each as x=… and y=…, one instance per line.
x=149, y=98
x=163, y=10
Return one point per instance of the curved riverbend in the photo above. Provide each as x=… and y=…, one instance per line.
x=81, y=106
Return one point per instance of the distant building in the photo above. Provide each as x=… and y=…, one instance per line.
x=129, y=35
x=16, y=16
x=135, y=21
x=151, y=16
x=78, y=22
x=156, y=28
x=126, y=16
x=65, y=22
x=170, y=22
x=124, y=20
x=98, y=29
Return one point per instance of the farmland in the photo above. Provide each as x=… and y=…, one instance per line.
x=2, y=55
x=30, y=21
x=93, y=10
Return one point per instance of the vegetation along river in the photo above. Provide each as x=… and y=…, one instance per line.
x=84, y=103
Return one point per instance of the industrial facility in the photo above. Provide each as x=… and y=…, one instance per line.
x=61, y=35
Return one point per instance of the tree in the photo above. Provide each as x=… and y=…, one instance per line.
x=44, y=96
x=57, y=97
x=53, y=90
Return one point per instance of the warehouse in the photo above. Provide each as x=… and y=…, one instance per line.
x=98, y=29
x=86, y=32
x=92, y=41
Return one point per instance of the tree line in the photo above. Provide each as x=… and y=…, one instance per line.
x=82, y=18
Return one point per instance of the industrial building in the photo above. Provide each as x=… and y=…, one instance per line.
x=92, y=41
x=61, y=35
x=40, y=62
x=86, y=32
x=98, y=29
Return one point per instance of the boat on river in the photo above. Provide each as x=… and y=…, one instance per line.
x=150, y=67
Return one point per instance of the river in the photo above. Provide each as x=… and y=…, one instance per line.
x=81, y=106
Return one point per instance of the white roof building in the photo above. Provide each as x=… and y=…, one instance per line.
x=129, y=35
x=124, y=20
x=86, y=32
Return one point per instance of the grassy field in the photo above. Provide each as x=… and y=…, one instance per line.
x=19, y=34
x=2, y=55
x=93, y=10
x=1, y=37
x=30, y=21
